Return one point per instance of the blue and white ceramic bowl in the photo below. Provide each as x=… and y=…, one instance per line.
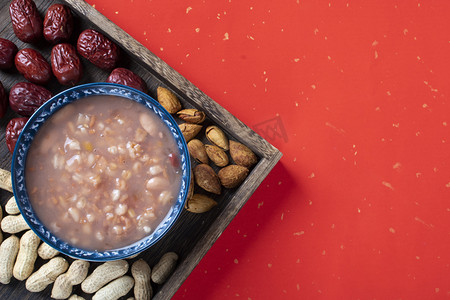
x=20, y=160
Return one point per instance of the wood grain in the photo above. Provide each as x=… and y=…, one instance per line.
x=193, y=234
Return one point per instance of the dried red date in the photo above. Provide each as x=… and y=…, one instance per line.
x=26, y=21
x=58, y=24
x=13, y=130
x=66, y=64
x=25, y=97
x=33, y=66
x=128, y=78
x=7, y=52
x=3, y=101
x=98, y=49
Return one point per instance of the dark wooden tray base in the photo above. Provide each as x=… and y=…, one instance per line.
x=194, y=234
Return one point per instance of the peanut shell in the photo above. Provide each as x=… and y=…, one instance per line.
x=115, y=289
x=14, y=224
x=207, y=179
x=8, y=253
x=46, y=274
x=164, y=268
x=11, y=206
x=103, y=274
x=26, y=257
x=45, y=251
x=232, y=175
x=142, y=272
x=5, y=180
x=76, y=297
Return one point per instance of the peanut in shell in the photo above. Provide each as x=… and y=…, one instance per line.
x=103, y=274
x=11, y=206
x=5, y=180
x=164, y=268
x=75, y=297
x=8, y=253
x=26, y=257
x=46, y=274
x=14, y=224
x=115, y=289
x=141, y=272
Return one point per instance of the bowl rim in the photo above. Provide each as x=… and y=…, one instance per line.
x=24, y=142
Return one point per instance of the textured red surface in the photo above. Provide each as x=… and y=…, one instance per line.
x=355, y=95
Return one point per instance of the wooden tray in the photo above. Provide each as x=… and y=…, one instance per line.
x=194, y=234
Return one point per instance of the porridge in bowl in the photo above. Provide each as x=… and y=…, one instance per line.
x=103, y=172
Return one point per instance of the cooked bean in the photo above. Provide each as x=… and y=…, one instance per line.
x=165, y=197
x=148, y=124
x=73, y=212
x=157, y=183
x=121, y=209
x=155, y=170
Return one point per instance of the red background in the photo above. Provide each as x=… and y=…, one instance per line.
x=355, y=95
